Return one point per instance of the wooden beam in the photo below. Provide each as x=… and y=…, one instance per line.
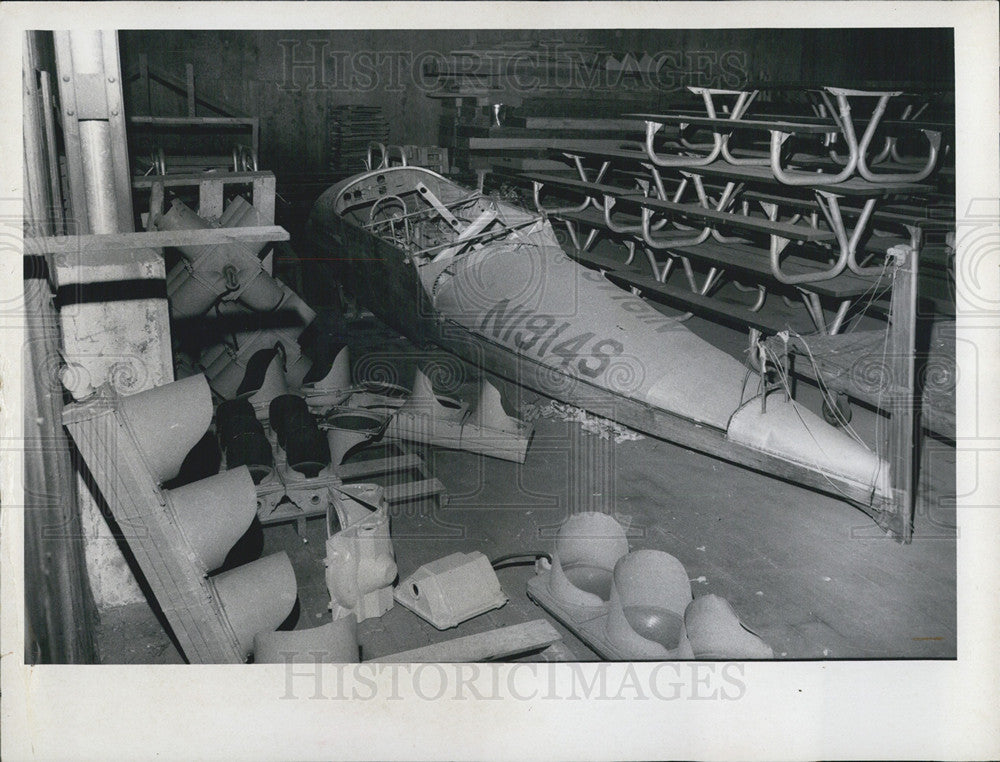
x=210, y=198
x=493, y=644
x=48, y=106
x=180, y=121
x=179, y=86
x=380, y=466
x=189, y=87
x=155, y=539
x=86, y=244
x=515, y=144
x=144, y=82
x=401, y=493
x=171, y=181
x=902, y=422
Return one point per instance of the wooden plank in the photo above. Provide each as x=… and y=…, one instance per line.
x=898, y=126
x=36, y=198
x=899, y=214
x=729, y=314
x=563, y=122
x=290, y=511
x=724, y=125
x=688, y=211
x=59, y=607
x=55, y=183
x=119, y=138
x=143, y=82
x=518, y=163
x=493, y=644
x=193, y=121
x=401, y=493
x=520, y=143
x=210, y=199
x=902, y=430
x=835, y=357
x=155, y=204
x=263, y=198
x=750, y=259
x=856, y=186
x=153, y=240
x=622, y=154
x=189, y=87
x=71, y=134
x=195, y=178
x=179, y=86
x=378, y=466
x=521, y=133
x=156, y=541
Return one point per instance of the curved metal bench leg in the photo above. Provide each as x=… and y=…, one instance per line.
x=933, y=138
x=665, y=243
x=661, y=191
x=753, y=354
x=830, y=205
x=727, y=156
x=583, y=176
x=609, y=205
x=679, y=161
x=571, y=230
x=711, y=280
x=930, y=164
x=730, y=191
x=666, y=269
x=653, y=264
x=838, y=319
x=574, y=236
x=885, y=153
x=815, y=309
x=798, y=177
x=842, y=118
x=689, y=273
x=383, y=158
x=739, y=109
x=536, y=192
x=630, y=245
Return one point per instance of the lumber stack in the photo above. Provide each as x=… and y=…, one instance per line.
x=352, y=128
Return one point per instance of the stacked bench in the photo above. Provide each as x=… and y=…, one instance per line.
x=843, y=226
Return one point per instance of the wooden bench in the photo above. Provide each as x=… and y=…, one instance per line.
x=900, y=215
x=637, y=156
x=747, y=259
x=856, y=186
x=706, y=306
x=723, y=124
x=750, y=259
x=800, y=125
x=691, y=212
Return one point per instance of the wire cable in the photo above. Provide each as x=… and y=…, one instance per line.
x=527, y=557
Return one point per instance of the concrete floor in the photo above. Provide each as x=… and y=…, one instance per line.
x=813, y=576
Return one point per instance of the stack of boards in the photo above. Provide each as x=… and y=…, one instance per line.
x=352, y=128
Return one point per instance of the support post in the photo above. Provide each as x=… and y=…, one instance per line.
x=902, y=424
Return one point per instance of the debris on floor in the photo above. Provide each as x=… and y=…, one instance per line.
x=590, y=423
